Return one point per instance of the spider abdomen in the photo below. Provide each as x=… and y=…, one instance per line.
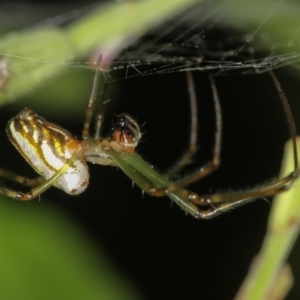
x=47, y=147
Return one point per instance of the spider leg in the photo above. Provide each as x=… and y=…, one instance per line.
x=276, y=187
x=273, y=189
x=100, y=114
x=21, y=179
x=91, y=102
x=43, y=186
x=201, y=207
x=182, y=199
x=226, y=201
x=191, y=151
x=144, y=176
x=215, y=161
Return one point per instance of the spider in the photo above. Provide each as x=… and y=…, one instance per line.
x=60, y=158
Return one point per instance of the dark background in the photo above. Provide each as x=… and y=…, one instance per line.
x=163, y=252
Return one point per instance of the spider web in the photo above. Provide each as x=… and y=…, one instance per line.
x=207, y=37
x=204, y=39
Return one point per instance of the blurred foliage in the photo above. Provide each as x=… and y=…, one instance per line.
x=44, y=255
x=49, y=48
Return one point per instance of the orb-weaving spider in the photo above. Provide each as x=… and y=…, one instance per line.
x=61, y=159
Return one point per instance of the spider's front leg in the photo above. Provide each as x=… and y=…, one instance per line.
x=202, y=207
x=144, y=176
x=199, y=206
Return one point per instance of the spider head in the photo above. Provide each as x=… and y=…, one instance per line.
x=126, y=132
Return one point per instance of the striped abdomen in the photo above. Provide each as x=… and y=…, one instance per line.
x=47, y=147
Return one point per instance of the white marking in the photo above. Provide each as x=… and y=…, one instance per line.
x=29, y=152
x=75, y=180
x=55, y=162
x=56, y=129
x=35, y=136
